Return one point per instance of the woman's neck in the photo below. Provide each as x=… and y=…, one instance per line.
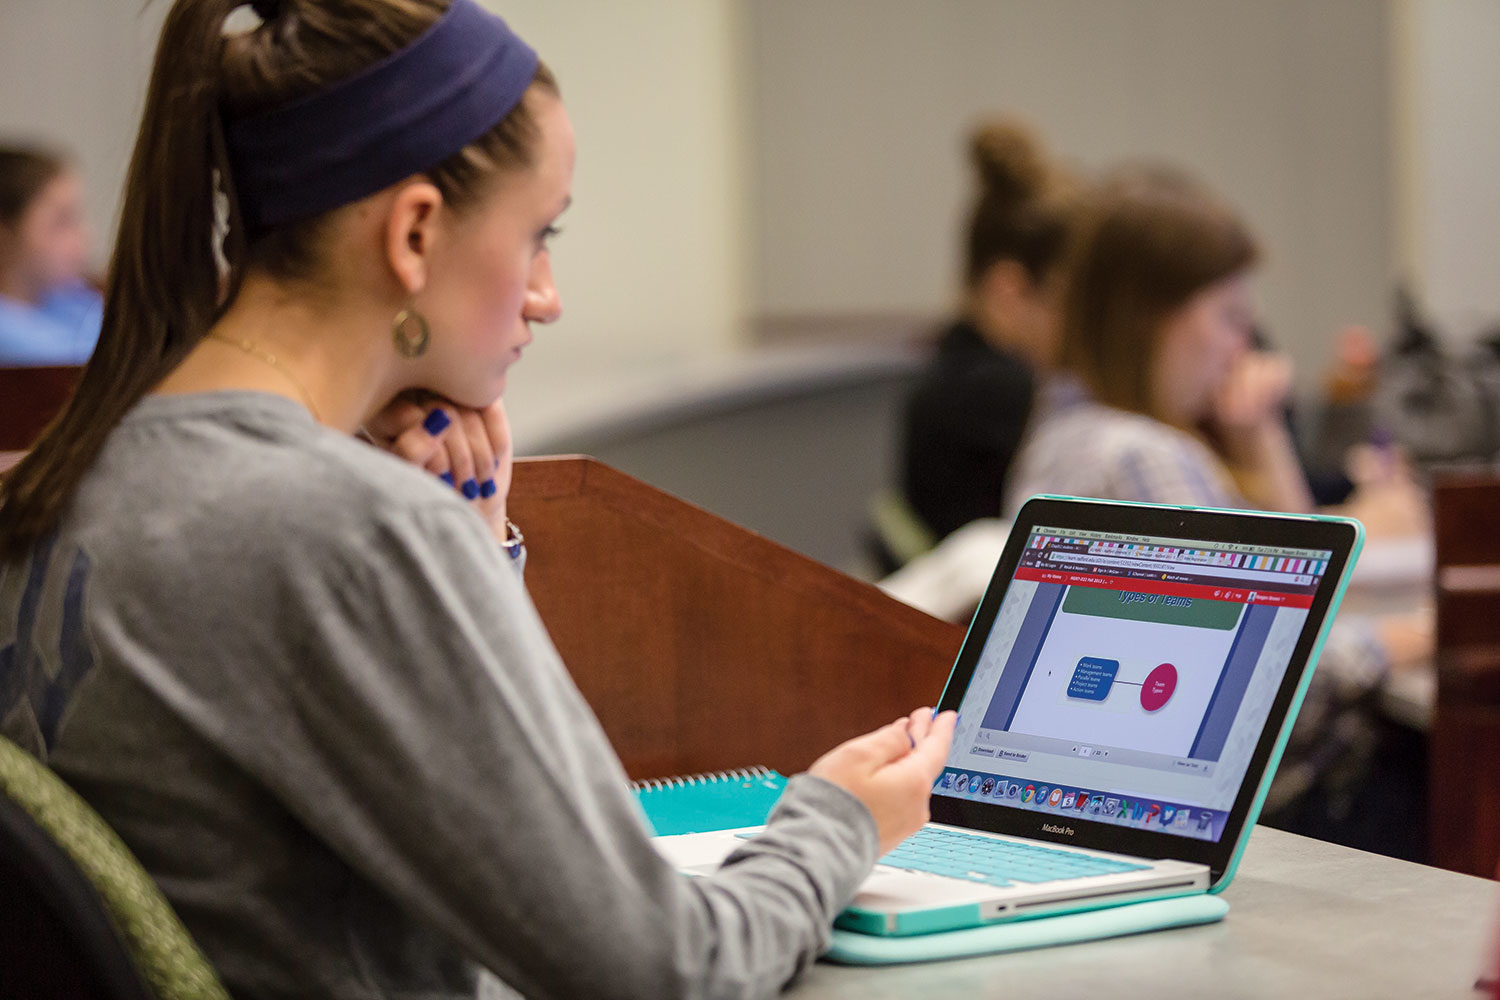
x=329, y=358
x=1001, y=335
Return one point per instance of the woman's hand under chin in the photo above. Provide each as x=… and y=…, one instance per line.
x=1249, y=430
x=1252, y=398
x=470, y=450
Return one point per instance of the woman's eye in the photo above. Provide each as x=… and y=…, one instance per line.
x=545, y=237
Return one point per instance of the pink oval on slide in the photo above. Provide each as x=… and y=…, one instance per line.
x=1158, y=688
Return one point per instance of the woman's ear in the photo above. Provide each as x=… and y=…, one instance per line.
x=411, y=233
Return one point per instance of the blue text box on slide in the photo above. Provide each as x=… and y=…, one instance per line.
x=1092, y=678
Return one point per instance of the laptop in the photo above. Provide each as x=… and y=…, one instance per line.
x=1125, y=690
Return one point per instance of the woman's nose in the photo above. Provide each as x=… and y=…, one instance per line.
x=543, y=303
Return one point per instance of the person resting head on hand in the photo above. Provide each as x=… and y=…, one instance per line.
x=298, y=674
x=1160, y=399
x=1157, y=379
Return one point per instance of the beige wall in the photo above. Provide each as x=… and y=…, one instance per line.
x=1447, y=73
x=862, y=110
x=651, y=262
x=792, y=157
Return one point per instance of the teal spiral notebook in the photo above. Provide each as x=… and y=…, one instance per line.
x=699, y=803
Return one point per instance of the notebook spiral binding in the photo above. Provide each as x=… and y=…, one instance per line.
x=704, y=778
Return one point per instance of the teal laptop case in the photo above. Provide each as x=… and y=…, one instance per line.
x=854, y=948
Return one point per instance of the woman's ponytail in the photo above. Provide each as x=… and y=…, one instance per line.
x=165, y=286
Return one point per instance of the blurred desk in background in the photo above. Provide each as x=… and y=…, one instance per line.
x=1394, y=577
x=789, y=442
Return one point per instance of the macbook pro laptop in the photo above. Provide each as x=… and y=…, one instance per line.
x=1124, y=693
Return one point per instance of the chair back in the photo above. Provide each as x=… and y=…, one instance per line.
x=81, y=917
x=59, y=940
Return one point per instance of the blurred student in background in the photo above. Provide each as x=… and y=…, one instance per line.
x=1158, y=398
x=965, y=420
x=48, y=314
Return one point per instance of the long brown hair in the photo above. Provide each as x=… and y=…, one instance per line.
x=165, y=286
x=1150, y=240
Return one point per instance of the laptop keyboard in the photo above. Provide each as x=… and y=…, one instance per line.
x=996, y=862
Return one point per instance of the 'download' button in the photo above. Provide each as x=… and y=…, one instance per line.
x=1092, y=678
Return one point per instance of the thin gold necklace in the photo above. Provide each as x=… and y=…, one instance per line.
x=263, y=355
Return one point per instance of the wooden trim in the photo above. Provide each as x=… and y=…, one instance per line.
x=1464, y=753
x=29, y=399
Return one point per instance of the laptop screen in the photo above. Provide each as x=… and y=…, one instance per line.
x=1126, y=679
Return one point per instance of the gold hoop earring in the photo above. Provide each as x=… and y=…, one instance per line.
x=409, y=343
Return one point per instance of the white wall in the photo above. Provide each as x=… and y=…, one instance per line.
x=1447, y=71
x=862, y=112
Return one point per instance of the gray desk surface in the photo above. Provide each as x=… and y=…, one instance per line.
x=1306, y=919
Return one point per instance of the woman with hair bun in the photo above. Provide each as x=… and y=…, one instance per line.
x=301, y=675
x=48, y=314
x=964, y=421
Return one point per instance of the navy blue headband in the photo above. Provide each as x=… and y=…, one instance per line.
x=403, y=115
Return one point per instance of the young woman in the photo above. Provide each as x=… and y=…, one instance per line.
x=964, y=421
x=301, y=677
x=1160, y=399
x=1160, y=394
x=48, y=315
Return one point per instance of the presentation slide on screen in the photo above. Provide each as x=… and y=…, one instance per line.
x=1137, y=671
x=1127, y=669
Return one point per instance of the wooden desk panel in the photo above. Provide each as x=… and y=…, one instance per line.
x=29, y=399
x=1464, y=812
x=701, y=645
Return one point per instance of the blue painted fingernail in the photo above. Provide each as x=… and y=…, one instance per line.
x=447, y=477
x=470, y=489
x=488, y=488
x=436, y=422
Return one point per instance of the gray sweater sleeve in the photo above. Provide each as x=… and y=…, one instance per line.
x=440, y=747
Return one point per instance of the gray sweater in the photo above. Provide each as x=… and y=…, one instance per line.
x=308, y=689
